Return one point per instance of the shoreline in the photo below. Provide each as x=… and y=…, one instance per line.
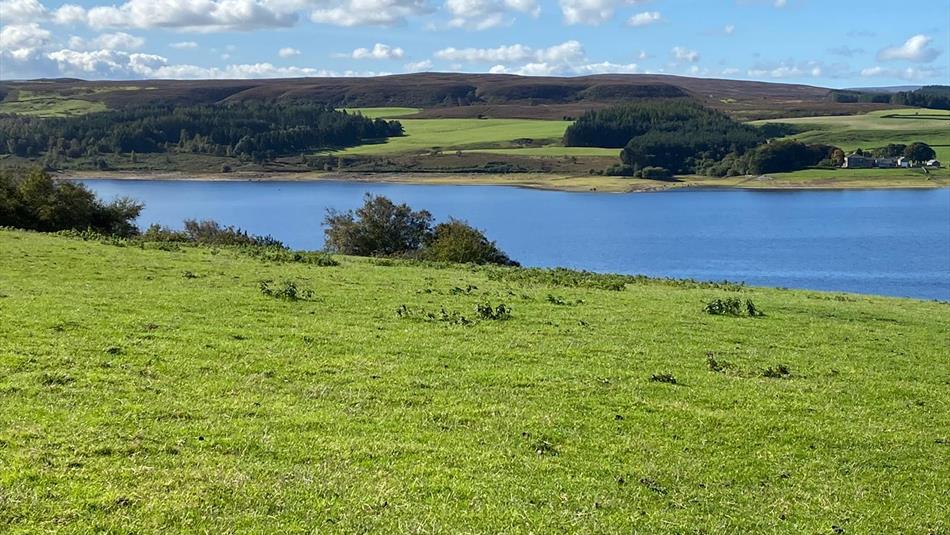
x=540, y=181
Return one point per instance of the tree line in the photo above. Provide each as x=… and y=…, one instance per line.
x=254, y=130
x=677, y=135
x=935, y=97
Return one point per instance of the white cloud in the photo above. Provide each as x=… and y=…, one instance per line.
x=288, y=52
x=592, y=12
x=914, y=49
x=419, y=66
x=369, y=12
x=644, y=19
x=729, y=29
x=186, y=15
x=910, y=73
x=108, y=41
x=184, y=44
x=69, y=14
x=567, y=51
x=23, y=41
x=379, y=51
x=551, y=69
x=485, y=14
x=21, y=11
x=780, y=3
x=685, y=54
x=117, y=64
x=807, y=69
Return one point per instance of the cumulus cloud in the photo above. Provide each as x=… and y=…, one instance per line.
x=118, y=64
x=23, y=41
x=185, y=15
x=108, y=41
x=567, y=58
x=567, y=51
x=552, y=69
x=69, y=14
x=419, y=66
x=910, y=73
x=22, y=11
x=592, y=12
x=684, y=54
x=917, y=49
x=288, y=52
x=369, y=12
x=644, y=19
x=485, y=14
x=805, y=69
x=379, y=51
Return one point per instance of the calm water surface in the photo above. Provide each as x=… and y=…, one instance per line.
x=893, y=242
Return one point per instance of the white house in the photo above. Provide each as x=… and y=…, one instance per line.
x=934, y=163
x=903, y=162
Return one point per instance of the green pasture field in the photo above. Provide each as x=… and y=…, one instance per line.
x=426, y=135
x=147, y=389
x=48, y=105
x=877, y=129
x=383, y=113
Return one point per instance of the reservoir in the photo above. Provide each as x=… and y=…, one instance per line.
x=887, y=242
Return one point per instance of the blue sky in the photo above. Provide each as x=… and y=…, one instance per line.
x=840, y=43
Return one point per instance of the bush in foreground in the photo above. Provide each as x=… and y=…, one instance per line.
x=37, y=202
x=382, y=228
x=457, y=241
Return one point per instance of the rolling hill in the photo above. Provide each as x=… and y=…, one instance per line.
x=456, y=95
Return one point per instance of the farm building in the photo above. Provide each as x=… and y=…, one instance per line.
x=934, y=163
x=903, y=162
x=888, y=163
x=855, y=161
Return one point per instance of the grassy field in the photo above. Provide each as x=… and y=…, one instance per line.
x=424, y=135
x=877, y=129
x=48, y=105
x=146, y=390
x=383, y=113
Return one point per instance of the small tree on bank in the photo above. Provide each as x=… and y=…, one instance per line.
x=457, y=241
x=919, y=152
x=383, y=228
x=378, y=228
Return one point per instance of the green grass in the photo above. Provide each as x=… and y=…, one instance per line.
x=383, y=113
x=423, y=135
x=49, y=105
x=877, y=129
x=552, y=151
x=136, y=399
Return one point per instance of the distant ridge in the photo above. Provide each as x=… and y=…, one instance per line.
x=886, y=89
x=465, y=95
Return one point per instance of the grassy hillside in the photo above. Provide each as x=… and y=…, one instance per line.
x=146, y=390
x=423, y=135
x=48, y=105
x=877, y=129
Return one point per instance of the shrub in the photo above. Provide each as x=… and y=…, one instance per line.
x=779, y=372
x=732, y=306
x=379, y=227
x=663, y=378
x=486, y=312
x=457, y=241
x=383, y=228
x=287, y=290
x=656, y=173
x=37, y=202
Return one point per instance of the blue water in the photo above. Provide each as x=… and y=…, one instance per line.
x=889, y=242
